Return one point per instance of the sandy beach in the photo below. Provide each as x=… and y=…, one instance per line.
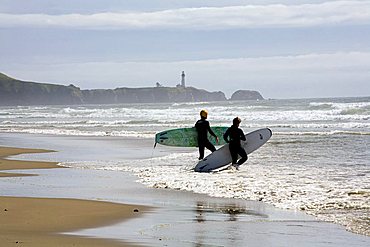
x=37, y=221
x=167, y=217
x=6, y=164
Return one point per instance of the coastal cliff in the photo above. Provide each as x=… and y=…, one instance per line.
x=17, y=92
x=149, y=95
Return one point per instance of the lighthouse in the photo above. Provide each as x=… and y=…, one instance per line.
x=183, y=79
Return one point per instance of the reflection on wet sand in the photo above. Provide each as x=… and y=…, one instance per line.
x=206, y=212
x=222, y=212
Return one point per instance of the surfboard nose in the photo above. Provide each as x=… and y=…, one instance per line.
x=200, y=167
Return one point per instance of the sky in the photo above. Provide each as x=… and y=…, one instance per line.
x=283, y=49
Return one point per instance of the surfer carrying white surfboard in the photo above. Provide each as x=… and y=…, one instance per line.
x=203, y=127
x=234, y=135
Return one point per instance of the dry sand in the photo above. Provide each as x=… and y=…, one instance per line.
x=39, y=221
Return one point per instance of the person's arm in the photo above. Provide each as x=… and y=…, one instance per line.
x=242, y=136
x=211, y=132
x=226, y=134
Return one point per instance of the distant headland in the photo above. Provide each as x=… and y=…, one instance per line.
x=17, y=92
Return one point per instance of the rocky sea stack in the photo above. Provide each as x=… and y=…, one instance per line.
x=246, y=95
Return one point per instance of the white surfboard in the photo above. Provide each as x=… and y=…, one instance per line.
x=222, y=156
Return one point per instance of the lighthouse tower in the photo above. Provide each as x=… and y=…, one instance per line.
x=183, y=79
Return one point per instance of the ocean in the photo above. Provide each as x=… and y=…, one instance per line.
x=317, y=161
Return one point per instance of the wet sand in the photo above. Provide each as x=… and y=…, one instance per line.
x=38, y=221
x=7, y=164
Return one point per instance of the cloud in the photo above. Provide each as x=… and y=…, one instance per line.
x=205, y=18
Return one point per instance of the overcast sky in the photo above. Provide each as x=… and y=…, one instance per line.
x=283, y=49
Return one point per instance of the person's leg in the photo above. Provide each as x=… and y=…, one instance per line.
x=243, y=156
x=201, y=152
x=234, y=155
x=210, y=147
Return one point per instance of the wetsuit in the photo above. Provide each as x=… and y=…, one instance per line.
x=202, y=126
x=233, y=136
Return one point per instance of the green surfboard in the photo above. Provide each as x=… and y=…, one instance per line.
x=187, y=137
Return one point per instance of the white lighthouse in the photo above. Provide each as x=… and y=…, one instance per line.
x=183, y=79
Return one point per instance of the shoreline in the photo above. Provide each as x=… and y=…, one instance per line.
x=9, y=164
x=35, y=222
x=180, y=218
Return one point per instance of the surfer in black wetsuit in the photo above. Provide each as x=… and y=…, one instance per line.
x=233, y=136
x=202, y=126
